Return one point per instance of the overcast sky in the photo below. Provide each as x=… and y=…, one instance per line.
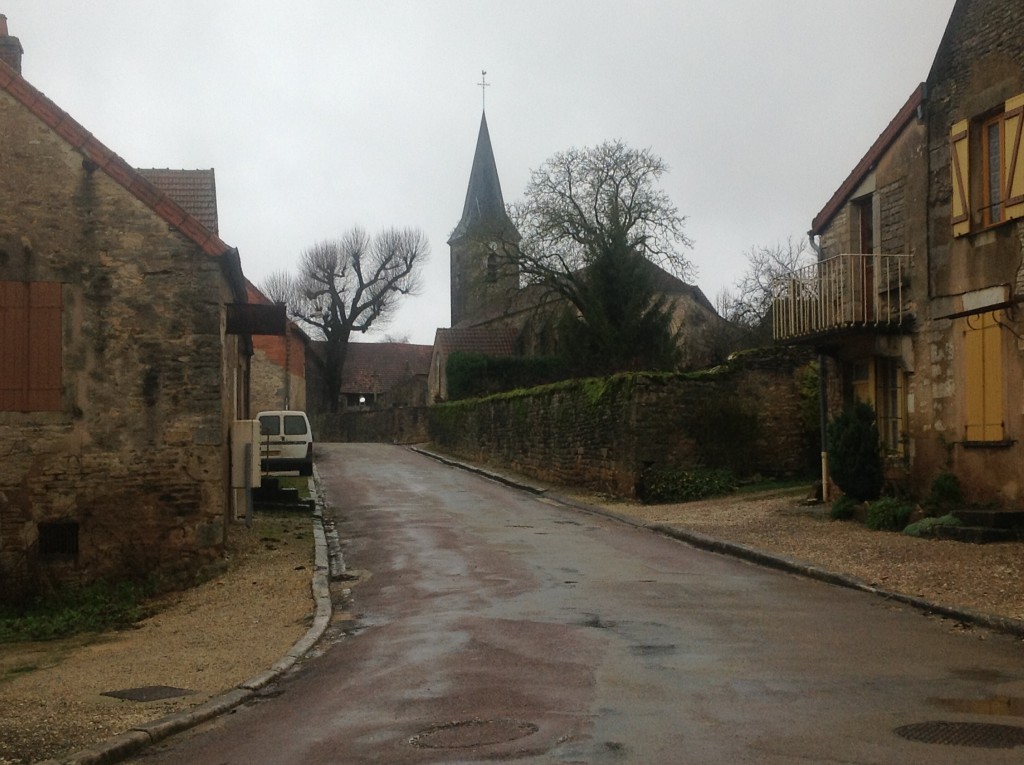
x=318, y=115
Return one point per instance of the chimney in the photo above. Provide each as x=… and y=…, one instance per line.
x=10, y=47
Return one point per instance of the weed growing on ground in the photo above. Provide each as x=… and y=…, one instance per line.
x=677, y=485
x=72, y=610
x=926, y=526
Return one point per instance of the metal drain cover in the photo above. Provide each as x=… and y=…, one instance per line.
x=148, y=693
x=986, y=735
x=467, y=734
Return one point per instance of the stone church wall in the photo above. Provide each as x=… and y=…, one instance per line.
x=748, y=415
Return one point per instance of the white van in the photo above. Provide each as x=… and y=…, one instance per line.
x=286, y=441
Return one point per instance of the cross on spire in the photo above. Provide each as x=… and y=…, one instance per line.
x=484, y=84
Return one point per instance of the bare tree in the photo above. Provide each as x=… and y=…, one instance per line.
x=347, y=285
x=749, y=305
x=596, y=214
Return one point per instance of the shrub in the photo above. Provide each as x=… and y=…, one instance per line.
x=926, y=526
x=945, y=495
x=678, y=485
x=474, y=374
x=855, y=458
x=843, y=508
x=888, y=514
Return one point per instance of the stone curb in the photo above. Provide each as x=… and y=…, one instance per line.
x=136, y=739
x=1014, y=627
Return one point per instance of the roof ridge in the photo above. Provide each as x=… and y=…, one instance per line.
x=94, y=151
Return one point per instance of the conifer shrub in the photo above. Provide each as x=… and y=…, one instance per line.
x=888, y=514
x=855, y=457
x=843, y=508
x=926, y=527
x=945, y=495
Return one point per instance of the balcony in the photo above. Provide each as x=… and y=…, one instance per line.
x=842, y=292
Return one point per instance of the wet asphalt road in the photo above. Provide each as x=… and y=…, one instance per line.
x=495, y=625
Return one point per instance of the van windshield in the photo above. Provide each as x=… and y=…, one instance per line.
x=270, y=426
x=294, y=425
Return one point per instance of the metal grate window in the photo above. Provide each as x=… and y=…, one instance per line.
x=58, y=538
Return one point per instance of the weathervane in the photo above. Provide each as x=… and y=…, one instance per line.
x=483, y=85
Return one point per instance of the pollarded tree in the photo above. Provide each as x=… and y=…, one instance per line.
x=347, y=285
x=592, y=221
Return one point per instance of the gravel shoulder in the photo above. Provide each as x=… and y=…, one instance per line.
x=215, y=636
x=205, y=640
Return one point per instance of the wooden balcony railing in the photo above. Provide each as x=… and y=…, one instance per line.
x=841, y=292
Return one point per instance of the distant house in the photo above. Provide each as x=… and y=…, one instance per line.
x=379, y=375
x=916, y=296
x=119, y=378
x=495, y=341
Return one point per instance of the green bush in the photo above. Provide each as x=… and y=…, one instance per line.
x=926, y=526
x=843, y=508
x=945, y=495
x=678, y=485
x=471, y=375
x=888, y=514
x=855, y=458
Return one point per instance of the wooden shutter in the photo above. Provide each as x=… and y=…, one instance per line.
x=30, y=346
x=983, y=378
x=1013, y=157
x=959, y=164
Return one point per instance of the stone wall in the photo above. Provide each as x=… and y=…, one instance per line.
x=135, y=459
x=398, y=425
x=747, y=415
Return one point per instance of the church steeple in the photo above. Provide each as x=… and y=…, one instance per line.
x=484, y=206
x=483, y=277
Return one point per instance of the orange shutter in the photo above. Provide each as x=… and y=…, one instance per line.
x=30, y=346
x=1013, y=157
x=959, y=164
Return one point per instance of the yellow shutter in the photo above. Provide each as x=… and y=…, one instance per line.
x=1013, y=157
x=959, y=164
x=983, y=378
x=992, y=350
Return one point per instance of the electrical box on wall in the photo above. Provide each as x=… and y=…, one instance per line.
x=245, y=462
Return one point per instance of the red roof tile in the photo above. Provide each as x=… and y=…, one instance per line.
x=378, y=367
x=490, y=341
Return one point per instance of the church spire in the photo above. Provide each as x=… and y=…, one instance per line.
x=484, y=206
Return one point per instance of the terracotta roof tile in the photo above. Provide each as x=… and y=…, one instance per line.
x=194, y=190
x=496, y=341
x=378, y=367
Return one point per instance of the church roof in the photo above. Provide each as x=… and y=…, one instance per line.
x=490, y=341
x=484, y=202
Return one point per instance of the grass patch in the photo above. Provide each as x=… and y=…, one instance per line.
x=72, y=610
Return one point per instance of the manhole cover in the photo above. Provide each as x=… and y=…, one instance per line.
x=148, y=693
x=987, y=735
x=467, y=734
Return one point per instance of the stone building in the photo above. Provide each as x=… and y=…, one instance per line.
x=918, y=287
x=278, y=364
x=119, y=379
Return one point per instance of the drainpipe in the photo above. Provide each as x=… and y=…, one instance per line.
x=822, y=395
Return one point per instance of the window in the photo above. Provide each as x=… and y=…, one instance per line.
x=30, y=346
x=880, y=382
x=890, y=398
x=983, y=378
x=58, y=539
x=995, y=191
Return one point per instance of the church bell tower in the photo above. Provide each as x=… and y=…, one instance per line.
x=484, y=278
